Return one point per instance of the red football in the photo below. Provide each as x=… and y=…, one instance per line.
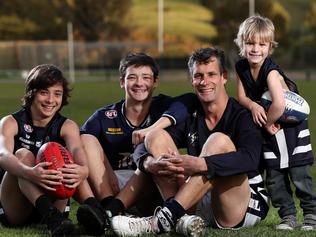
x=59, y=156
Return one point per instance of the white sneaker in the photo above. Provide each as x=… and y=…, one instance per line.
x=132, y=226
x=190, y=226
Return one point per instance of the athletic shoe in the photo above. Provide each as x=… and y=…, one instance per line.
x=132, y=226
x=57, y=224
x=309, y=222
x=287, y=223
x=190, y=226
x=92, y=218
x=160, y=222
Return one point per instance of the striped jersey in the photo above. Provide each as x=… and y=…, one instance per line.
x=291, y=146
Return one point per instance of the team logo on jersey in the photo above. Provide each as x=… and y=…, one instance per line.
x=111, y=114
x=114, y=131
x=38, y=144
x=192, y=137
x=28, y=128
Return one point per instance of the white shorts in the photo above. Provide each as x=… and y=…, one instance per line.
x=123, y=176
x=257, y=208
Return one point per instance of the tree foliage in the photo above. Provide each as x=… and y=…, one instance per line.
x=229, y=15
x=47, y=19
x=310, y=23
x=188, y=24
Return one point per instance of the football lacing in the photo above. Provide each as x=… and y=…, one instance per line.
x=288, y=106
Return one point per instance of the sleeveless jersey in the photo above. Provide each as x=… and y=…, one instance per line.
x=32, y=137
x=291, y=146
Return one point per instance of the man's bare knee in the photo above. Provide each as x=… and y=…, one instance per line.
x=154, y=136
x=217, y=143
x=159, y=141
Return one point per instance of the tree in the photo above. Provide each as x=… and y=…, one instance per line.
x=47, y=19
x=309, y=40
x=310, y=24
x=25, y=19
x=96, y=19
x=228, y=15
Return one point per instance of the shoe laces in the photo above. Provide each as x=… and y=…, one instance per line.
x=141, y=225
x=289, y=220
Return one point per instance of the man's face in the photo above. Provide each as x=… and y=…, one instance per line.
x=139, y=83
x=207, y=81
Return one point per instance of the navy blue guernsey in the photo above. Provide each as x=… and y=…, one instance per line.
x=114, y=132
x=32, y=137
x=291, y=146
x=255, y=88
x=236, y=123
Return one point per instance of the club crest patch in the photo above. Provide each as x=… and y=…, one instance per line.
x=111, y=114
x=28, y=128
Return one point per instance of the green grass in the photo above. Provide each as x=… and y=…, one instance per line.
x=88, y=96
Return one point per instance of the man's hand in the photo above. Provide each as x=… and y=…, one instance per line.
x=162, y=166
x=189, y=165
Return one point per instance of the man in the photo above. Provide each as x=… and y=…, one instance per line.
x=107, y=134
x=223, y=157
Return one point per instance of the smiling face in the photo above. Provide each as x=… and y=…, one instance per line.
x=47, y=102
x=256, y=50
x=208, y=81
x=139, y=83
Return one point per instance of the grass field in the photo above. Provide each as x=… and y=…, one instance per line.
x=88, y=96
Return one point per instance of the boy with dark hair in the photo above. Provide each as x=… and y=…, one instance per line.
x=108, y=135
x=23, y=183
x=223, y=157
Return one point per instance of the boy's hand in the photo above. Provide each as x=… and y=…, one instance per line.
x=259, y=115
x=273, y=128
